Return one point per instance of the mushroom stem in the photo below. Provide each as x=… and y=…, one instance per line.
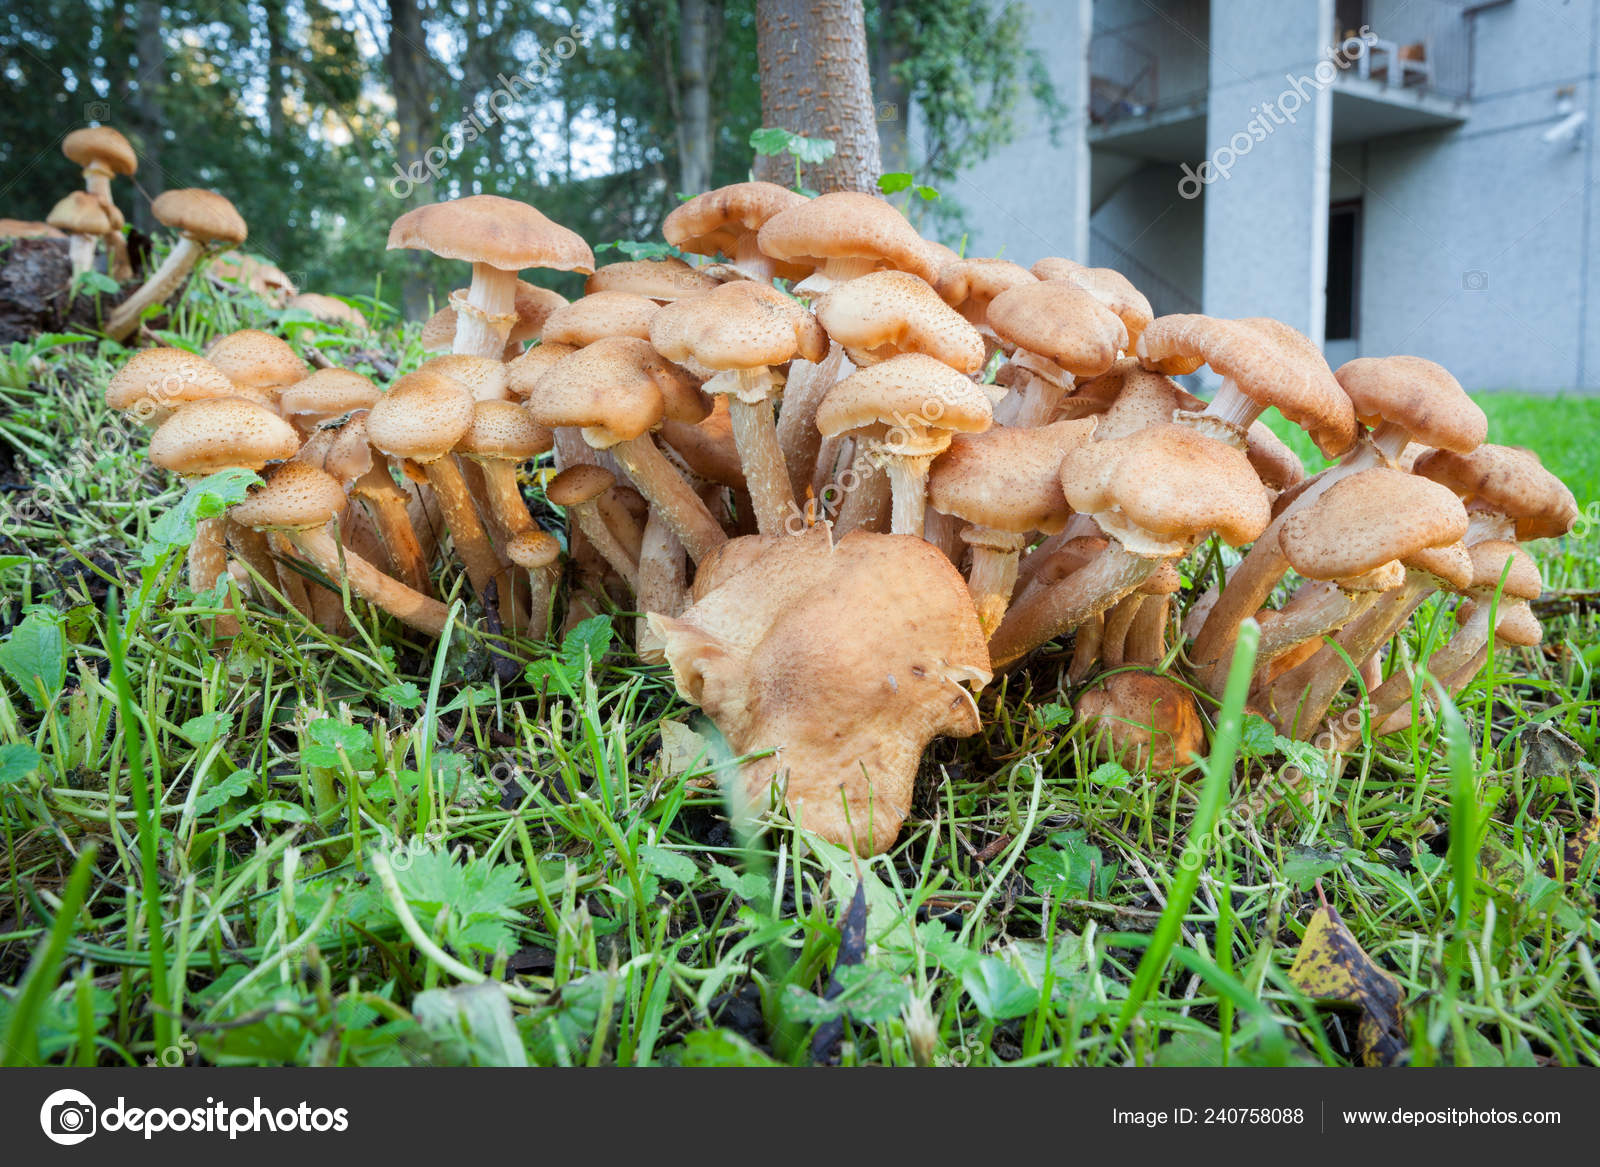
x=908, y=485
x=80, y=249
x=798, y=435
x=455, y=504
x=1086, y=648
x=993, y=574
x=510, y=511
x=750, y=260
x=1077, y=527
x=589, y=520
x=1047, y=613
x=208, y=562
x=865, y=505
x=424, y=613
x=250, y=547
x=1400, y=718
x=833, y=272
x=1113, y=646
x=662, y=585
x=755, y=436
x=1147, y=635
x=1326, y=610
x=167, y=279
x=484, y=315
x=1470, y=637
x=666, y=489
x=1032, y=403
x=386, y=503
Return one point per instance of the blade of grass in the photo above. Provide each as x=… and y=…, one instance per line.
x=21, y=1042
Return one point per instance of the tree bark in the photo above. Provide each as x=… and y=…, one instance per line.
x=408, y=75
x=815, y=82
x=152, y=53
x=698, y=23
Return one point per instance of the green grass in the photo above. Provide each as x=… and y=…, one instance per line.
x=304, y=849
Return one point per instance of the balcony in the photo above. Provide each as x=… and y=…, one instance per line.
x=1149, y=79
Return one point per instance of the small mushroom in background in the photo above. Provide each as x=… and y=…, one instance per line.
x=1057, y=332
x=324, y=395
x=1156, y=493
x=104, y=153
x=738, y=333
x=201, y=219
x=85, y=220
x=499, y=237
x=202, y=438
x=663, y=280
x=1004, y=484
x=350, y=461
x=328, y=309
x=845, y=660
x=28, y=229
x=265, y=279
x=1146, y=722
x=727, y=221
x=298, y=502
x=906, y=410
x=539, y=554
x=258, y=362
x=616, y=391
x=578, y=490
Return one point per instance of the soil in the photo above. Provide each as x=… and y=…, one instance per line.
x=35, y=275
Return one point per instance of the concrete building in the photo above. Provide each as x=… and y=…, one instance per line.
x=1388, y=176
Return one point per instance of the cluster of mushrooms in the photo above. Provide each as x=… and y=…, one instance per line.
x=844, y=475
x=202, y=219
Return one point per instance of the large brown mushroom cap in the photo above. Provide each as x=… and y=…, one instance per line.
x=296, y=497
x=1489, y=560
x=1451, y=565
x=1007, y=477
x=257, y=360
x=887, y=313
x=662, y=280
x=1510, y=480
x=615, y=389
x=219, y=434
x=1061, y=323
x=500, y=232
x=846, y=225
x=1270, y=363
x=1160, y=488
x=1143, y=721
x=200, y=214
x=80, y=213
x=422, y=416
x=100, y=146
x=156, y=380
x=1369, y=519
x=600, y=315
x=845, y=659
x=910, y=392
x=1419, y=396
x=742, y=325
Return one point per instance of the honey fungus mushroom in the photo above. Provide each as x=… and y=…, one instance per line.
x=764, y=651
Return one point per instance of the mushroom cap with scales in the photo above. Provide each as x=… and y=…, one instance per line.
x=1509, y=480
x=847, y=225
x=912, y=394
x=888, y=313
x=1062, y=323
x=662, y=280
x=101, y=146
x=599, y=315
x=159, y=380
x=422, y=416
x=1007, y=477
x=220, y=434
x=257, y=360
x=713, y=223
x=1417, y=395
x=615, y=390
x=328, y=393
x=200, y=214
x=1369, y=519
x=502, y=233
x=742, y=325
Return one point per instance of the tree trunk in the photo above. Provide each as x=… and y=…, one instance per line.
x=408, y=65
x=152, y=52
x=814, y=82
x=697, y=24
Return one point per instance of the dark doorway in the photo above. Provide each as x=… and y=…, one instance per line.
x=1344, y=270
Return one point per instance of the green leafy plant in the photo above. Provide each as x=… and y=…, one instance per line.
x=771, y=141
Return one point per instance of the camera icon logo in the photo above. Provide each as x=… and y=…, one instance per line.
x=68, y=1117
x=1475, y=281
x=96, y=111
x=888, y=111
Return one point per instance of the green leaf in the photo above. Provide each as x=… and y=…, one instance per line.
x=867, y=995
x=17, y=761
x=217, y=793
x=474, y=899
x=209, y=497
x=1112, y=775
x=895, y=181
x=207, y=727
x=770, y=140
x=1258, y=737
x=405, y=695
x=327, y=738
x=34, y=655
x=750, y=886
x=278, y=811
x=942, y=944
x=1070, y=866
x=669, y=864
x=1306, y=865
x=721, y=1047
x=1053, y=715
x=998, y=990
x=585, y=645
